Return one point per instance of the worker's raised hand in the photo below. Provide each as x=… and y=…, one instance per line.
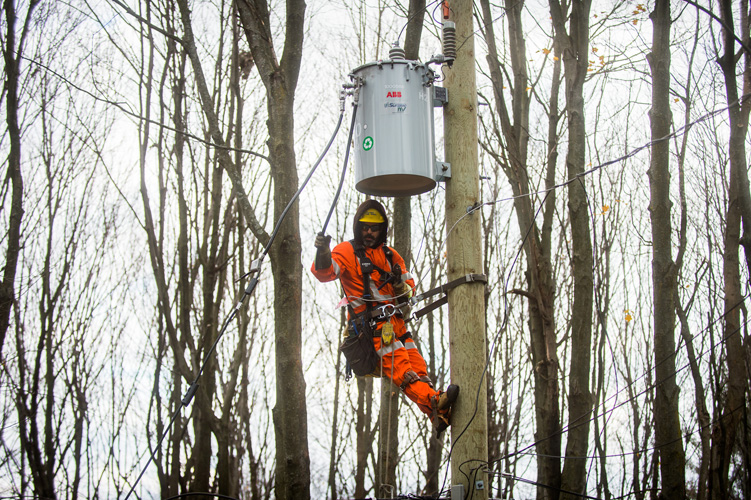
x=323, y=253
x=322, y=241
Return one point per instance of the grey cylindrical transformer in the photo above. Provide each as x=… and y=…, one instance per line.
x=394, y=138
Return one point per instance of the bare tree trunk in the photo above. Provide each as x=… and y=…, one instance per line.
x=13, y=55
x=574, y=45
x=702, y=414
x=280, y=79
x=515, y=128
x=667, y=422
x=364, y=433
x=733, y=400
x=333, y=494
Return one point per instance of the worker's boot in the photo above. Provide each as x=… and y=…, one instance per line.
x=442, y=404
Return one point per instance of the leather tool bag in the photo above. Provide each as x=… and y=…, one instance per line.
x=360, y=352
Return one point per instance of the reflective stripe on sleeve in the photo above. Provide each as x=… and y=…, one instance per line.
x=390, y=348
x=377, y=295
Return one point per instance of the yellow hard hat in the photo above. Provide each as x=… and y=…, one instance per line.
x=372, y=216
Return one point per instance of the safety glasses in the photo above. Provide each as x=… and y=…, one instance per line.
x=373, y=228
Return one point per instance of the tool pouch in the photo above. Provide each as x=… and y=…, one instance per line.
x=360, y=353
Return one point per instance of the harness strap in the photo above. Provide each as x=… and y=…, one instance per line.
x=431, y=307
x=467, y=278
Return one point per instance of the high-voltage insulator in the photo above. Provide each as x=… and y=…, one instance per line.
x=449, y=41
x=396, y=52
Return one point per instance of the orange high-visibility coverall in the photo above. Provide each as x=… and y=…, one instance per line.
x=400, y=356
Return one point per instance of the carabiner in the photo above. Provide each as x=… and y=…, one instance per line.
x=386, y=311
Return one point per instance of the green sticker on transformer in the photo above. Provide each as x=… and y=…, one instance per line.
x=367, y=143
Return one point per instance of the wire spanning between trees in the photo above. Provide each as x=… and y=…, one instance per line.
x=536, y=483
x=133, y=114
x=677, y=133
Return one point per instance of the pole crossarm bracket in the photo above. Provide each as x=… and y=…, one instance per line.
x=467, y=278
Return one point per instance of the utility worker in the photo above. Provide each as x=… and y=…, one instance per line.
x=375, y=281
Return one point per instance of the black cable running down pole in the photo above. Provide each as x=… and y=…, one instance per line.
x=305, y=182
x=188, y=397
x=344, y=168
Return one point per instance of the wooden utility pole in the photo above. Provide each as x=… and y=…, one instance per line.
x=469, y=426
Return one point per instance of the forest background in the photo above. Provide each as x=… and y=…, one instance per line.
x=150, y=148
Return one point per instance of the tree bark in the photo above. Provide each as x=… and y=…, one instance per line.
x=280, y=79
x=514, y=127
x=667, y=421
x=732, y=401
x=574, y=46
x=12, y=55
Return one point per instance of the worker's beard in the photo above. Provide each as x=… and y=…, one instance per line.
x=368, y=240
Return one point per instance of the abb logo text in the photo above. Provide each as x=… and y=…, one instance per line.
x=394, y=94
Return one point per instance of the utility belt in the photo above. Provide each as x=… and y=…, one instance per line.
x=356, y=326
x=376, y=315
x=358, y=347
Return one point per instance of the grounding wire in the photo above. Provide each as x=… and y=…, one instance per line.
x=193, y=388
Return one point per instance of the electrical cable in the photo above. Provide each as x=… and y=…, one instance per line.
x=133, y=114
x=193, y=388
x=633, y=152
x=640, y=451
x=529, y=481
x=344, y=167
x=406, y=23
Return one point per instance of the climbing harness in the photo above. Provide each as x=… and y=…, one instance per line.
x=358, y=348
